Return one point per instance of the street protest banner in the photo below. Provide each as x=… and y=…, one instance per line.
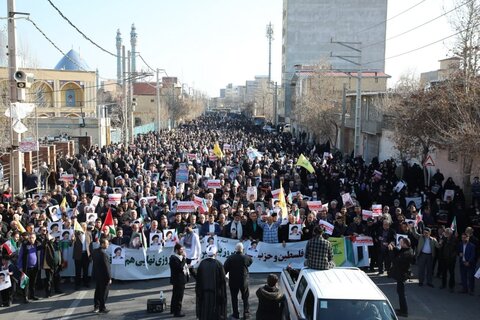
x=270, y=258
x=185, y=206
x=252, y=193
x=347, y=200
x=276, y=193
x=66, y=177
x=376, y=210
x=328, y=226
x=214, y=184
x=182, y=173
x=417, y=201
x=367, y=214
x=314, y=205
x=114, y=198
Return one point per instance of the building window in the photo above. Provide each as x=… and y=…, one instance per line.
x=152, y=100
x=70, y=97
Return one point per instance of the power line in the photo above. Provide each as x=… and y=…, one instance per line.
x=53, y=44
x=416, y=49
x=395, y=16
x=79, y=31
x=417, y=27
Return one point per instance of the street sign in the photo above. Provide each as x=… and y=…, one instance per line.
x=429, y=162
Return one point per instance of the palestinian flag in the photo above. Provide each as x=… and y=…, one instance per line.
x=108, y=224
x=24, y=281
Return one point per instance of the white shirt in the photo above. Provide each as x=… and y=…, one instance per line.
x=84, y=242
x=464, y=247
x=211, y=228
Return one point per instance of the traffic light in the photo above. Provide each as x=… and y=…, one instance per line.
x=24, y=80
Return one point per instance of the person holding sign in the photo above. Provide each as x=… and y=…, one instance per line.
x=318, y=252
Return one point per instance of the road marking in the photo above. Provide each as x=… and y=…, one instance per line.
x=74, y=305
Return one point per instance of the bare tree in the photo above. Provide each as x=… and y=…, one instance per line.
x=317, y=107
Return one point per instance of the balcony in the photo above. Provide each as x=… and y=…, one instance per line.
x=367, y=126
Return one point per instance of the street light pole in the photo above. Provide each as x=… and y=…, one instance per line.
x=16, y=161
x=157, y=92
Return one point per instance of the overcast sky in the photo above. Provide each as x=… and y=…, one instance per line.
x=209, y=43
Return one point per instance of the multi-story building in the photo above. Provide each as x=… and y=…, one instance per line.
x=309, y=26
x=65, y=98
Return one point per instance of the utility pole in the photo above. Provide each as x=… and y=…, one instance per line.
x=358, y=104
x=130, y=98
x=125, y=103
x=270, y=38
x=157, y=92
x=275, y=105
x=344, y=111
x=16, y=159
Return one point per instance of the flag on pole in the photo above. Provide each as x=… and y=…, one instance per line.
x=20, y=227
x=217, y=151
x=9, y=246
x=63, y=204
x=77, y=226
x=144, y=247
x=282, y=203
x=303, y=162
x=419, y=217
x=108, y=224
x=453, y=226
x=24, y=281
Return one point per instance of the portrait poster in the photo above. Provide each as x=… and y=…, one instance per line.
x=295, y=232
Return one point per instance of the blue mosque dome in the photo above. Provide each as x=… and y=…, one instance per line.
x=72, y=62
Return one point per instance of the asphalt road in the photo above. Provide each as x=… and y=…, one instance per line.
x=128, y=300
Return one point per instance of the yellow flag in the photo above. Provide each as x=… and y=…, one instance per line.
x=64, y=203
x=217, y=151
x=77, y=226
x=282, y=203
x=20, y=227
x=303, y=162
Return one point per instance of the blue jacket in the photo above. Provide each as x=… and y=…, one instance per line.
x=469, y=253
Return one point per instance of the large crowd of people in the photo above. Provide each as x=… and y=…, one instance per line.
x=162, y=168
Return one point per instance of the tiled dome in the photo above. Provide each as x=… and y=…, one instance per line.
x=73, y=62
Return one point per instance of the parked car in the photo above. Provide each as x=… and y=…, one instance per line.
x=338, y=293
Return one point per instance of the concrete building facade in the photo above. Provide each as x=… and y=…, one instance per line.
x=309, y=26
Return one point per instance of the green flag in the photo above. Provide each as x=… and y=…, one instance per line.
x=303, y=162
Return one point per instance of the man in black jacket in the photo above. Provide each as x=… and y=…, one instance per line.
x=237, y=266
x=103, y=277
x=178, y=278
x=401, y=272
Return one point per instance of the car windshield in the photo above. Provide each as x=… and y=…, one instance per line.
x=354, y=309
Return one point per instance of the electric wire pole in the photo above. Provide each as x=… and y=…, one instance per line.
x=16, y=160
x=358, y=103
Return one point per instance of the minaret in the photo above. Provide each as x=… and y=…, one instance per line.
x=119, y=57
x=133, y=43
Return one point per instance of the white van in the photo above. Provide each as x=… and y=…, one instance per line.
x=338, y=293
